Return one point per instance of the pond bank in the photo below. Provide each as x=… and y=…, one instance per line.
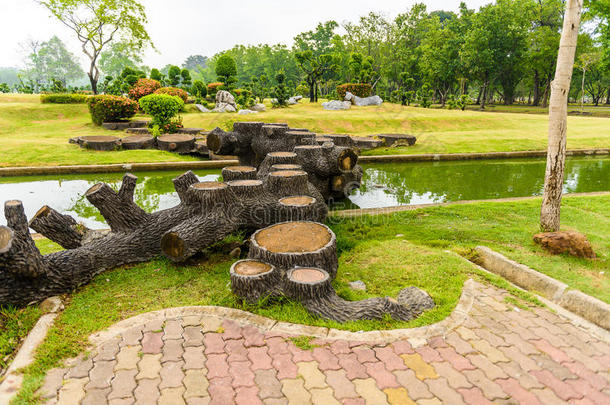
x=219, y=164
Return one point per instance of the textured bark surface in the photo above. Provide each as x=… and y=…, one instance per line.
x=100, y=142
x=299, y=260
x=558, y=113
x=266, y=145
x=138, y=142
x=207, y=213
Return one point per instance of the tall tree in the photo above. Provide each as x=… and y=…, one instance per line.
x=97, y=23
x=550, y=212
x=117, y=57
x=195, y=62
x=314, y=68
x=51, y=61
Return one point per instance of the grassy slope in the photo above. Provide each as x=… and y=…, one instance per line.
x=35, y=134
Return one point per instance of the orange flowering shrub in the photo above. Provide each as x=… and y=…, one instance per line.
x=107, y=108
x=357, y=89
x=143, y=87
x=213, y=87
x=173, y=91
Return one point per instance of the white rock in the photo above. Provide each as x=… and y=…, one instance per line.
x=244, y=112
x=359, y=101
x=258, y=107
x=337, y=105
x=357, y=285
x=225, y=102
x=294, y=100
x=224, y=107
x=201, y=108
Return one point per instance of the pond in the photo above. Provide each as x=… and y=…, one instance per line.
x=384, y=185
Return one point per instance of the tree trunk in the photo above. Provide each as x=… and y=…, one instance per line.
x=536, y=89
x=558, y=112
x=608, y=95
x=312, y=96
x=484, y=96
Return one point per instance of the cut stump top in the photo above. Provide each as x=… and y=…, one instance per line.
x=294, y=237
x=6, y=236
x=209, y=185
x=251, y=267
x=298, y=201
x=99, y=138
x=307, y=275
x=176, y=138
x=283, y=154
x=288, y=173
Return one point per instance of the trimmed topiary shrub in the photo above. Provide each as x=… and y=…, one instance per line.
x=106, y=108
x=173, y=91
x=59, y=98
x=214, y=87
x=144, y=87
x=357, y=89
x=163, y=108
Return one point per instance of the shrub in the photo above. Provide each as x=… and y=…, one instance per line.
x=280, y=92
x=199, y=89
x=302, y=90
x=163, y=108
x=357, y=89
x=214, y=87
x=144, y=87
x=59, y=98
x=111, y=108
x=173, y=91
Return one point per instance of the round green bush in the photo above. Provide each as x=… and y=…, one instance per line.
x=106, y=108
x=162, y=107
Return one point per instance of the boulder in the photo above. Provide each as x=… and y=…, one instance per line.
x=337, y=105
x=358, y=285
x=294, y=100
x=397, y=139
x=572, y=242
x=258, y=107
x=244, y=112
x=201, y=108
x=225, y=102
x=359, y=101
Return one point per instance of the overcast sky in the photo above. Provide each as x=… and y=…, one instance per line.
x=180, y=28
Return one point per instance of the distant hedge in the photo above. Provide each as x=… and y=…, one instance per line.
x=106, y=108
x=60, y=98
x=357, y=89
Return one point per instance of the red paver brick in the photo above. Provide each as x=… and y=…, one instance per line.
x=247, y=396
x=252, y=336
x=596, y=380
x=221, y=391
x=232, y=330
x=353, y=368
x=554, y=353
x=217, y=366
x=213, y=343
x=523, y=345
x=583, y=387
x=284, y=365
x=353, y=401
x=365, y=354
x=517, y=392
x=460, y=363
x=389, y=358
x=525, y=379
x=437, y=342
x=525, y=362
x=236, y=350
x=474, y=396
x=490, y=389
x=259, y=358
x=152, y=342
x=381, y=375
x=339, y=347
x=276, y=345
x=562, y=389
x=402, y=347
x=603, y=360
x=428, y=354
x=326, y=360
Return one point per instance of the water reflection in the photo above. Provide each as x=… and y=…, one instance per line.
x=384, y=185
x=393, y=184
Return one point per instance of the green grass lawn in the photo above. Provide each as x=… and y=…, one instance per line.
x=35, y=134
x=387, y=252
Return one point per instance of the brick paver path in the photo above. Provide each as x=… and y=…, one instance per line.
x=499, y=355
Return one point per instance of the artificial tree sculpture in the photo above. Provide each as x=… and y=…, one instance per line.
x=207, y=213
x=332, y=169
x=298, y=259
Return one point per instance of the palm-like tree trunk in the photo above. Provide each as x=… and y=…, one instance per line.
x=558, y=112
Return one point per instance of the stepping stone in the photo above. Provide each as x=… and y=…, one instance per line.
x=138, y=142
x=368, y=143
x=391, y=139
x=99, y=142
x=178, y=143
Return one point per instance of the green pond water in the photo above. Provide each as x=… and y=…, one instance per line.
x=384, y=185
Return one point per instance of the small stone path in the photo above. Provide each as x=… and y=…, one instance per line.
x=499, y=354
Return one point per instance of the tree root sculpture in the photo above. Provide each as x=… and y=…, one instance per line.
x=298, y=260
x=332, y=169
x=207, y=213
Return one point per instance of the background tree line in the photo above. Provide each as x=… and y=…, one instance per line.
x=504, y=52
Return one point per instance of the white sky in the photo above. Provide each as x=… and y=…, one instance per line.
x=180, y=28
